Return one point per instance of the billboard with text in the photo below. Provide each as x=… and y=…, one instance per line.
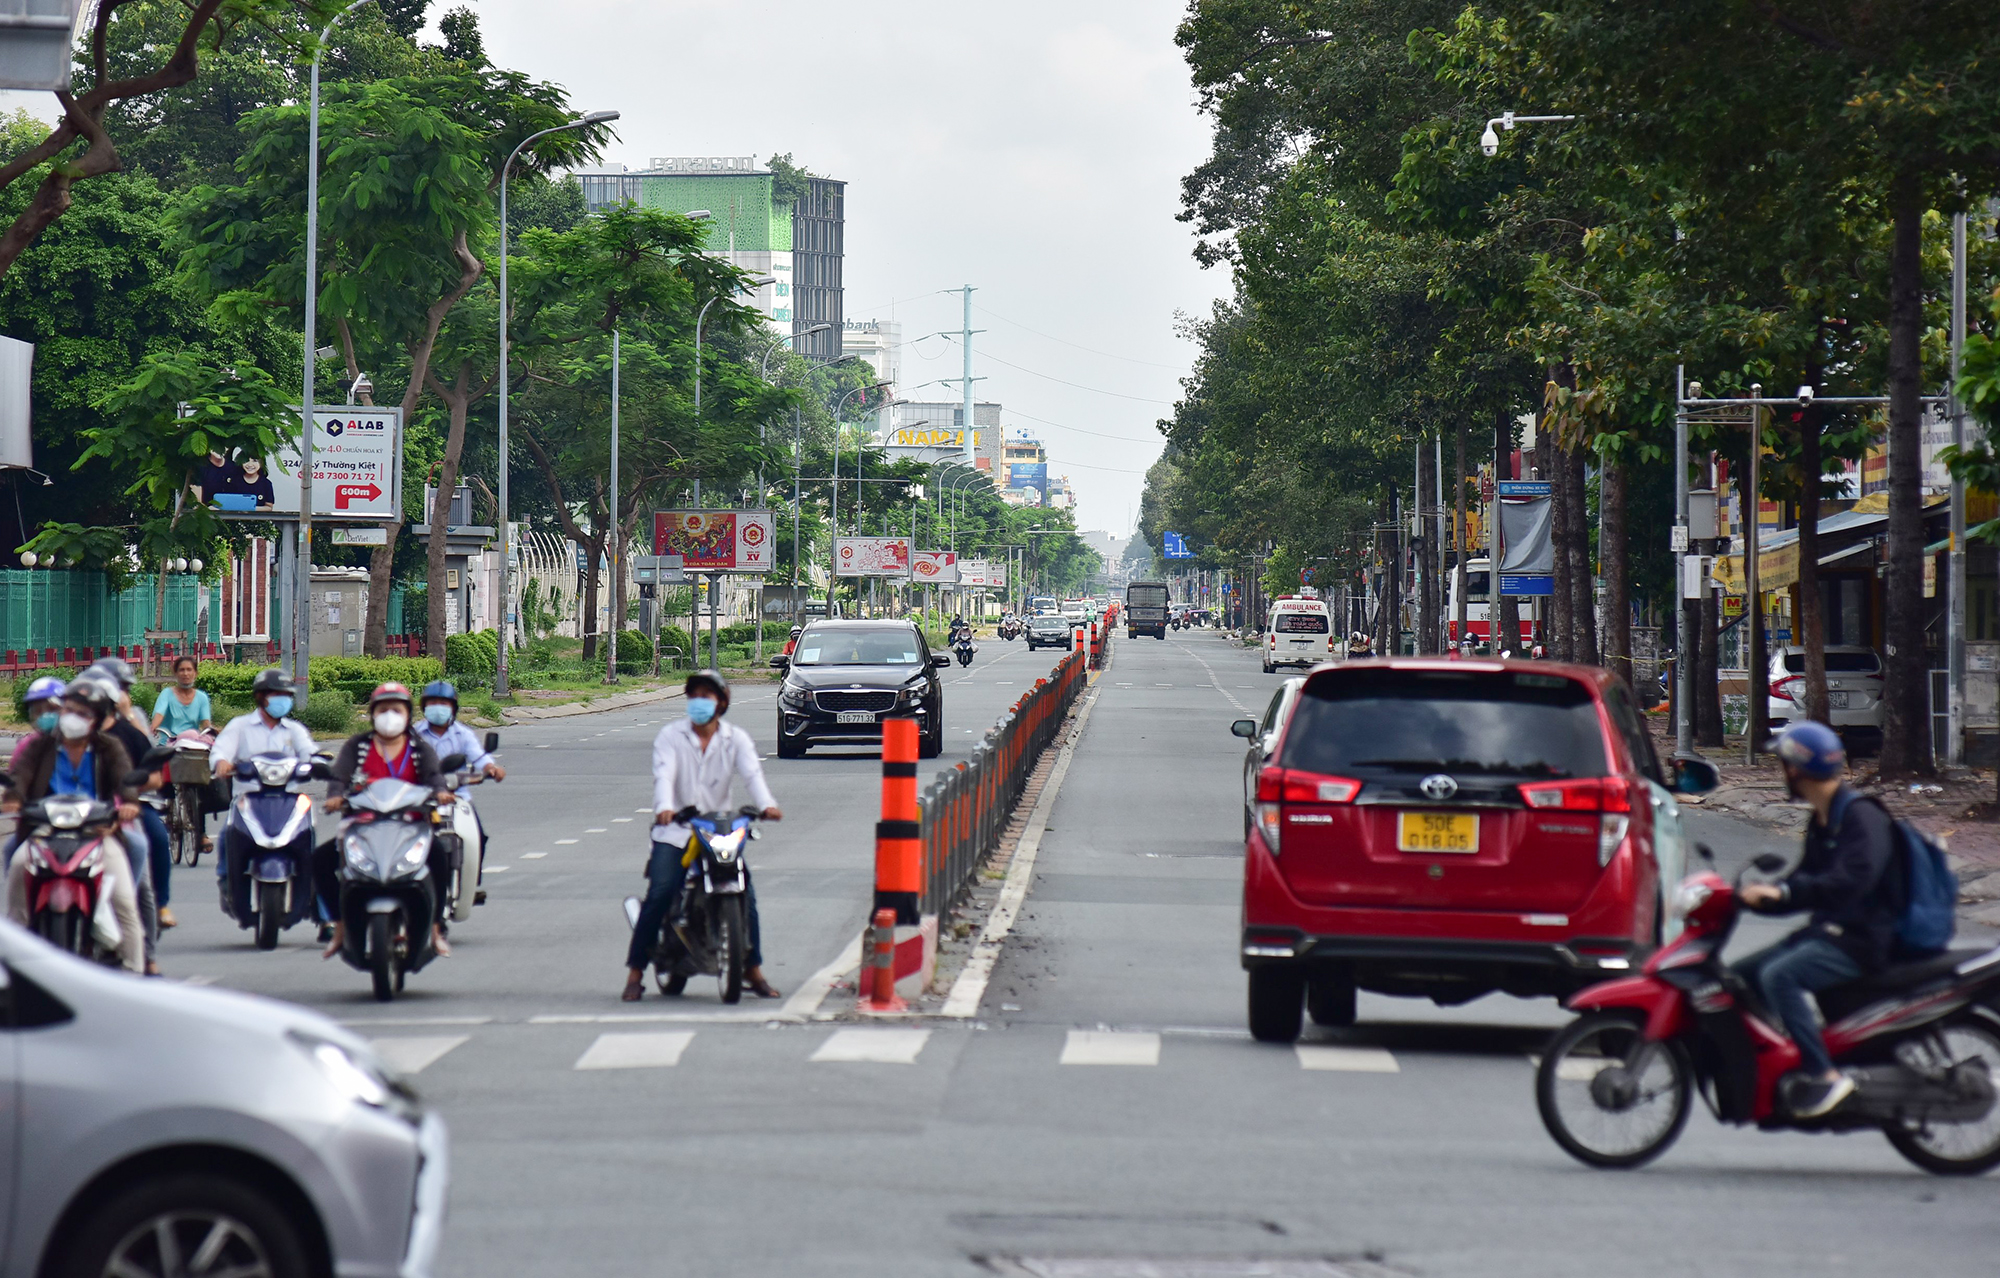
x=717, y=540
x=357, y=470
x=871, y=556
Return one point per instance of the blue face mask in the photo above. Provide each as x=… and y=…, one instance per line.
x=277, y=707
x=701, y=709
x=438, y=715
x=46, y=721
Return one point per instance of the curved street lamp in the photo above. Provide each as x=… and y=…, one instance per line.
x=583, y=121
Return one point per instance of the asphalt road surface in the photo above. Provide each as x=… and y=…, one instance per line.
x=1106, y=1103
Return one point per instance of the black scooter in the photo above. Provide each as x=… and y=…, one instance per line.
x=389, y=900
x=708, y=929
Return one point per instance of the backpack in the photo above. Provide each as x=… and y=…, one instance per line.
x=1930, y=915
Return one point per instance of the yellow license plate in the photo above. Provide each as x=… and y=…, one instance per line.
x=1437, y=831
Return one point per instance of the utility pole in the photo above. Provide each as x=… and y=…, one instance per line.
x=969, y=451
x=1687, y=600
x=611, y=534
x=1955, y=572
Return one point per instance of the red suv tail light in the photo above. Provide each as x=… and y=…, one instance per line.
x=1291, y=786
x=1610, y=796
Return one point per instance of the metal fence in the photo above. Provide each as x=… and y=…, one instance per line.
x=43, y=608
x=965, y=810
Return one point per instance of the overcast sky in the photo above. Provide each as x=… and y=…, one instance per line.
x=1031, y=149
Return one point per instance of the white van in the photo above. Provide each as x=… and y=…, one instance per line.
x=1299, y=632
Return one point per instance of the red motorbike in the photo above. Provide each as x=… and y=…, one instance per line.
x=1921, y=1040
x=63, y=842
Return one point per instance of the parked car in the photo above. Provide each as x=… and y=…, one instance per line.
x=1853, y=689
x=149, y=1124
x=844, y=677
x=1264, y=741
x=1051, y=630
x=1452, y=828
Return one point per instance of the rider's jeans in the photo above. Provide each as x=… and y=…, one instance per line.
x=160, y=848
x=1787, y=974
x=663, y=878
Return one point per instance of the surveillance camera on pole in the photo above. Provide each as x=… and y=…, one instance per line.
x=1805, y=396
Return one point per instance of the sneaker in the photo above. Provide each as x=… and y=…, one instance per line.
x=1816, y=1098
x=167, y=918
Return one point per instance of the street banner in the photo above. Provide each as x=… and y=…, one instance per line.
x=935, y=568
x=717, y=540
x=1526, y=544
x=17, y=371
x=357, y=471
x=974, y=572
x=871, y=556
x=1176, y=546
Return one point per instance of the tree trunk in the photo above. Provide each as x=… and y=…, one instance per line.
x=1809, y=613
x=1388, y=615
x=1554, y=467
x=1582, y=580
x=1426, y=556
x=1460, y=543
x=1906, y=745
x=1503, y=468
x=456, y=398
x=1707, y=685
x=1611, y=555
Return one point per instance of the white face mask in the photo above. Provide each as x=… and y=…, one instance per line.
x=74, y=726
x=390, y=723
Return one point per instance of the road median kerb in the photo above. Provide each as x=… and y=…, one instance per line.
x=617, y=701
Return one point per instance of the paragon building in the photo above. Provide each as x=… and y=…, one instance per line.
x=793, y=233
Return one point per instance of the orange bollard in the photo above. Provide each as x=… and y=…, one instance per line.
x=899, y=878
x=881, y=990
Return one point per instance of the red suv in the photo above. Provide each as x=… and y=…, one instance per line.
x=1447, y=829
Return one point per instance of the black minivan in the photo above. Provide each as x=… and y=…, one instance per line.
x=844, y=677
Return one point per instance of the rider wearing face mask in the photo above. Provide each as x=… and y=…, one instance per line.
x=267, y=730
x=40, y=708
x=387, y=750
x=694, y=761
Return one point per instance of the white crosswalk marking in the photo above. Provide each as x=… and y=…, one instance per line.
x=1110, y=1047
x=1574, y=1069
x=1354, y=1060
x=413, y=1055
x=635, y=1051
x=879, y=1046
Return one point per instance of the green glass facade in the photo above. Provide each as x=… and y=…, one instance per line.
x=761, y=225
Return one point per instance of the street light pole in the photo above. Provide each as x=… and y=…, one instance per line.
x=506, y=544
x=617, y=623
x=1955, y=558
x=302, y=576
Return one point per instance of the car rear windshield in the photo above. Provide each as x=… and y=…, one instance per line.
x=884, y=646
x=1299, y=623
x=1377, y=721
x=1837, y=663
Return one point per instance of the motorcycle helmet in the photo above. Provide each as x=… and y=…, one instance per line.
x=46, y=688
x=93, y=695
x=99, y=681
x=390, y=691
x=714, y=682
x=1811, y=749
x=441, y=690
x=118, y=668
x=272, y=680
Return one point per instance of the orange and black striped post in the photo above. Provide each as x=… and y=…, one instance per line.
x=899, y=879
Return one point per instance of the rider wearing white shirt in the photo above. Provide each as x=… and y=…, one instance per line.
x=695, y=760
x=267, y=730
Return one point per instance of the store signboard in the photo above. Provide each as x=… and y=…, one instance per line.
x=871, y=556
x=717, y=540
x=357, y=471
x=934, y=568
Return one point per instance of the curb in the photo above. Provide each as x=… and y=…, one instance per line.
x=617, y=701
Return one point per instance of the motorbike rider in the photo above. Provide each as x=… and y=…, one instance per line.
x=267, y=730
x=387, y=748
x=446, y=736
x=80, y=758
x=694, y=761
x=146, y=841
x=40, y=709
x=183, y=707
x=1855, y=886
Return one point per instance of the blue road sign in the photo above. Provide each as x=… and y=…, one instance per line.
x=1176, y=546
x=1523, y=487
x=1527, y=583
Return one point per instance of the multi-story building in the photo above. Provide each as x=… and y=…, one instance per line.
x=936, y=432
x=1025, y=465
x=795, y=241
x=880, y=343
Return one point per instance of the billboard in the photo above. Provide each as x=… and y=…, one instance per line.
x=1029, y=475
x=717, y=540
x=357, y=471
x=934, y=568
x=1175, y=547
x=987, y=573
x=923, y=440
x=871, y=556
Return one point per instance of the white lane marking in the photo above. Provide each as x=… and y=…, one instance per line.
x=1110, y=1047
x=635, y=1051
x=597, y=829
x=1214, y=680
x=198, y=980
x=621, y=820
x=539, y=747
x=533, y=856
x=656, y=1018
x=496, y=869
x=805, y=1000
x=564, y=842
x=634, y=809
x=392, y=1022
x=1575, y=1069
x=1353, y=1060
x=970, y=987
x=877, y=1046
x=413, y=1055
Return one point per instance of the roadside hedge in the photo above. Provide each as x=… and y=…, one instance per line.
x=472, y=655
x=354, y=676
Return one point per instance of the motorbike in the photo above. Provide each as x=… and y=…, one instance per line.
x=963, y=648
x=467, y=844
x=388, y=902
x=69, y=906
x=1010, y=628
x=273, y=823
x=1921, y=1040
x=708, y=930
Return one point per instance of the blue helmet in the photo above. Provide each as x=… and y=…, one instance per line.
x=440, y=690
x=1812, y=749
x=46, y=688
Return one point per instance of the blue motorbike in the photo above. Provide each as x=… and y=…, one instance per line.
x=272, y=826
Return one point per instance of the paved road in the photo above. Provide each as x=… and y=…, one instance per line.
x=1106, y=1103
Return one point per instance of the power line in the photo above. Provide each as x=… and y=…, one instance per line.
x=1063, y=381
x=1123, y=439
x=1079, y=345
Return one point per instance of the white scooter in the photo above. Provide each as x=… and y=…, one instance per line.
x=466, y=890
